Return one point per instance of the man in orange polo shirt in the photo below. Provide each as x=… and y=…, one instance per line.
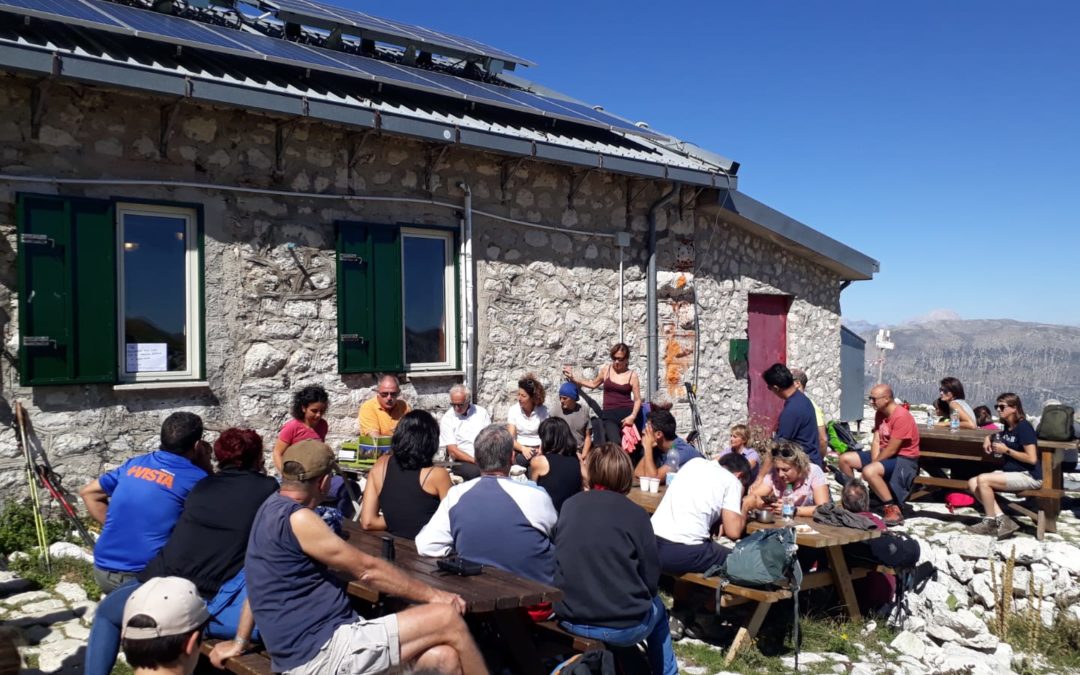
x=379, y=416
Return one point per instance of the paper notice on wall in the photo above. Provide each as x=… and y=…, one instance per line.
x=146, y=357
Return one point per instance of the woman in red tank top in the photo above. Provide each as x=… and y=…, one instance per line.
x=622, y=391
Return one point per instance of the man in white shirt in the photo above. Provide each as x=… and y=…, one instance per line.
x=458, y=429
x=703, y=494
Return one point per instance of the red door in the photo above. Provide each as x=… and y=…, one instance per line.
x=766, y=330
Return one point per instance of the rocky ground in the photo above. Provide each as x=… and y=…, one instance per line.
x=53, y=624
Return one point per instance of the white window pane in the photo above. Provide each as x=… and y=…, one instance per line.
x=425, y=299
x=155, y=287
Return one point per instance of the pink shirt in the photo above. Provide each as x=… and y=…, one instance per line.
x=899, y=425
x=804, y=492
x=295, y=431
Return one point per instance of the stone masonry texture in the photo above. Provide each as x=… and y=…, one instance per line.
x=545, y=298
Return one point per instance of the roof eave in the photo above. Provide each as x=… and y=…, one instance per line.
x=764, y=221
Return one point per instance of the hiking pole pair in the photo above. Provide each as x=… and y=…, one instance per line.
x=39, y=523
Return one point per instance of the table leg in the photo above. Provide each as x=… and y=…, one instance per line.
x=842, y=580
x=513, y=625
x=1049, y=507
x=748, y=631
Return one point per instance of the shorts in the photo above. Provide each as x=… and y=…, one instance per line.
x=889, y=464
x=1017, y=481
x=682, y=558
x=363, y=646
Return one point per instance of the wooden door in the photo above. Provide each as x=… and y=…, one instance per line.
x=767, y=332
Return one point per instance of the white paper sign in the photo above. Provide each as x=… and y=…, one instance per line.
x=146, y=357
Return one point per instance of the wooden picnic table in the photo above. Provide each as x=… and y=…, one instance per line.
x=646, y=500
x=495, y=596
x=942, y=450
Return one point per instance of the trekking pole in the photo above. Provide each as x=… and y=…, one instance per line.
x=695, y=415
x=39, y=523
x=51, y=480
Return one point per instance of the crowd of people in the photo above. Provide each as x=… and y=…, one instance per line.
x=187, y=551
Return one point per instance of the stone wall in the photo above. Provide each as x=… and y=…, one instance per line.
x=545, y=297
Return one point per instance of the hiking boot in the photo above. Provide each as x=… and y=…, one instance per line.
x=987, y=526
x=1007, y=527
x=893, y=515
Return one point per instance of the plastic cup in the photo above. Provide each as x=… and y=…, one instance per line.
x=654, y=485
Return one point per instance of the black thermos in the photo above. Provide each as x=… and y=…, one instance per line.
x=388, y=548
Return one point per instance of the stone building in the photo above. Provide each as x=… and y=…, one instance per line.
x=301, y=226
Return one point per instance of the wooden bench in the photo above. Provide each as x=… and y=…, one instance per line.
x=554, y=631
x=253, y=663
x=942, y=449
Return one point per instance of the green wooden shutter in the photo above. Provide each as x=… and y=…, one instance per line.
x=370, y=330
x=67, y=290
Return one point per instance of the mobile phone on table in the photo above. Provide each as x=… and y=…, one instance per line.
x=460, y=566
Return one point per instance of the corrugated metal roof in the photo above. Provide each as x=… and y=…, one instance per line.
x=145, y=55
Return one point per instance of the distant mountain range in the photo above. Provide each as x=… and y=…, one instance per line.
x=1034, y=360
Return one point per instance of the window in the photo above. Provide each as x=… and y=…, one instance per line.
x=397, y=299
x=158, y=326
x=109, y=291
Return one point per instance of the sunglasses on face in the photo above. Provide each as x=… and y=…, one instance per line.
x=620, y=359
x=461, y=405
x=389, y=394
x=1000, y=407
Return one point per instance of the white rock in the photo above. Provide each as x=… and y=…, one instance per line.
x=693, y=670
x=52, y=656
x=1065, y=556
x=959, y=568
x=74, y=629
x=836, y=657
x=963, y=622
x=70, y=592
x=980, y=588
x=1027, y=550
x=65, y=549
x=956, y=659
x=971, y=546
x=29, y=596
x=262, y=360
x=805, y=659
x=42, y=606
x=909, y=643
x=1004, y=656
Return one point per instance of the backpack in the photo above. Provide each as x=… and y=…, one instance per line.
x=760, y=560
x=597, y=662
x=840, y=438
x=1056, y=423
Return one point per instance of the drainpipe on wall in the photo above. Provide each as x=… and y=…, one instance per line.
x=469, y=292
x=653, y=342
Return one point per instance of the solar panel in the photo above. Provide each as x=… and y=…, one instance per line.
x=394, y=31
x=174, y=30
x=63, y=10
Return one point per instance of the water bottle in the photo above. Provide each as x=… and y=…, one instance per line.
x=931, y=418
x=954, y=422
x=671, y=461
x=787, y=508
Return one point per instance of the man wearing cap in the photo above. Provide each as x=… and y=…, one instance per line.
x=303, y=610
x=458, y=429
x=162, y=628
x=140, y=502
x=379, y=416
x=575, y=415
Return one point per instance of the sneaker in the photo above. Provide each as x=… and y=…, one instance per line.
x=987, y=526
x=893, y=515
x=1007, y=527
x=676, y=628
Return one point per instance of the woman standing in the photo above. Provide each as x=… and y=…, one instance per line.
x=556, y=468
x=524, y=416
x=622, y=391
x=308, y=423
x=952, y=392
x=1018, y=446
x=607, y=565
x=790, y=467
x=405, y=484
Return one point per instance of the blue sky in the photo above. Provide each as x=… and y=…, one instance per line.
x=941, y=138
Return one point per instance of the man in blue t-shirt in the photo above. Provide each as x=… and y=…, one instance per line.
x=139, y=503
x=657, y=441
x=798, y=421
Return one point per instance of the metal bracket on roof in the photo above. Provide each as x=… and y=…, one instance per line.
x=333, y=41
x=169, y=114
x=39, y=97
x=509, y=168
x=577, y=179
x=435, y=156
x=283, y=131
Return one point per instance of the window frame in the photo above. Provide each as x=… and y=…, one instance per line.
x=194, y=305
x=450, y=298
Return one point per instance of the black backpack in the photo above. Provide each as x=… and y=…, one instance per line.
x=840, y=437
x=1056, y=423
